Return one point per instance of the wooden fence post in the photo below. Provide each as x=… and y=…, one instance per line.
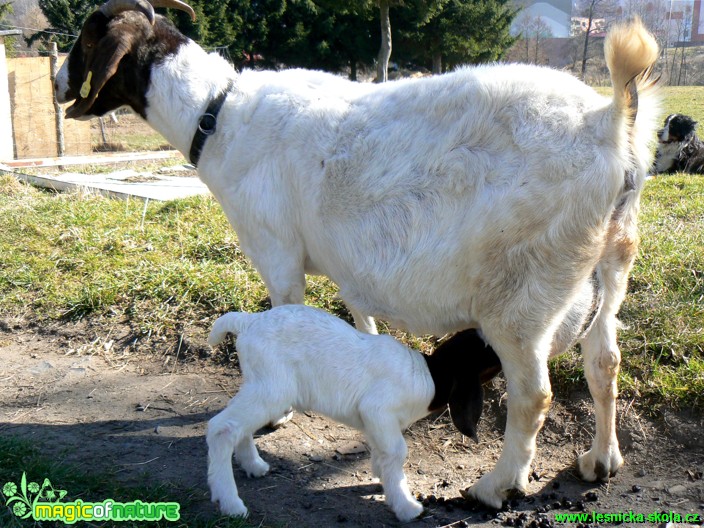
x=59, y=112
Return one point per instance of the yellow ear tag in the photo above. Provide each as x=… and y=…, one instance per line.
x=85, y=88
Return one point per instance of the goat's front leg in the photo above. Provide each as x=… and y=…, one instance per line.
x=285, y=279
x=279, y=259
x=529, y=396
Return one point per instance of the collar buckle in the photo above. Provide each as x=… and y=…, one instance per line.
x=207, y=124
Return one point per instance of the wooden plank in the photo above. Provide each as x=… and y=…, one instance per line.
x=34, y=114
x=105, y=157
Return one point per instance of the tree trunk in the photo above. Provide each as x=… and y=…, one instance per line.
x=353, y=69
x=586, y=41
x=382, y=67
x=437, y=63
x=537, y=47
x=251, y=60
x=683, y=70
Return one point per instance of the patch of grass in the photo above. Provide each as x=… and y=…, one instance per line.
x=688, y=100
x=72, y=256
x=130, y=133
x=662, y=342
x=20, y=456
x=664, y=309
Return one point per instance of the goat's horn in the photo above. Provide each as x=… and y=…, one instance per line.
x=112, y=8
x=175, y=4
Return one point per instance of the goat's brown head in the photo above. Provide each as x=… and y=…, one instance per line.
x=109, y=65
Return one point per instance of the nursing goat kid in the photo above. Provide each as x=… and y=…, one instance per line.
x=303, y=357
x=484, y=198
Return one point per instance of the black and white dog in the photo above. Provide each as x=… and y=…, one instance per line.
x=679, y=148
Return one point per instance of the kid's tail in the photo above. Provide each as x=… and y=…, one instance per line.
x=230, y=323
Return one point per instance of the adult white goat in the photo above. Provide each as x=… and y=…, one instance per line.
x=483, y=198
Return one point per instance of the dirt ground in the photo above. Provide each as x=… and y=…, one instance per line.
x=84, y=395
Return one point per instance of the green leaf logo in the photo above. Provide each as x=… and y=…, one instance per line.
x=9, y=489
x=22, y=498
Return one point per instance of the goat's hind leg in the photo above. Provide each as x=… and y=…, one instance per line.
x=602, y=358
x=231, y=430
x=389, y=452
x=601, y=365
x=600, y=351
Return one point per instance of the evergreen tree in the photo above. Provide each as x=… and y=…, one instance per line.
x=66, y=20
x=321, y=35
x=5, y=9
x=446, y=33
x=216, y=24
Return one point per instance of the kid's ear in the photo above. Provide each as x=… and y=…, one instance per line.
x=466, y=402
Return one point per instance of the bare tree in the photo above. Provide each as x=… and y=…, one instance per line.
x=592, y=10
x=653, y=13
x=529, y=47
x=682, y=33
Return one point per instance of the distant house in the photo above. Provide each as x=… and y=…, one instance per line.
x=686, y=21
x=555, y=14
x=580, y=25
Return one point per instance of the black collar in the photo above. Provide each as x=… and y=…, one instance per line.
x=207, y=124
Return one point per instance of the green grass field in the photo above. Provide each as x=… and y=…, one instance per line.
x=169, y=265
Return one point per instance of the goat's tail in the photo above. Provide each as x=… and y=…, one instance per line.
x=631, y=52
x=230, y=323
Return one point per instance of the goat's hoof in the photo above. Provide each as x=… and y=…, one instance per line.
x=486, y=492
x=277, y=424
x=257, y=468
x=408, y=511
x=232, y=506
x=594, y=466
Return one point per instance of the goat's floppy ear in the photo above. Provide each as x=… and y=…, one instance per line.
x=467, y=395
x=466, y=402
x=105, y=59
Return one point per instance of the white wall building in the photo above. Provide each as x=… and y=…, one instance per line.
x=555, y=14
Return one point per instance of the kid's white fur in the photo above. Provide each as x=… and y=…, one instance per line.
x=299, y=356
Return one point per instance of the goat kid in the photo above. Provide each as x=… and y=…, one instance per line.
x=299, y=356
x=484, y=198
